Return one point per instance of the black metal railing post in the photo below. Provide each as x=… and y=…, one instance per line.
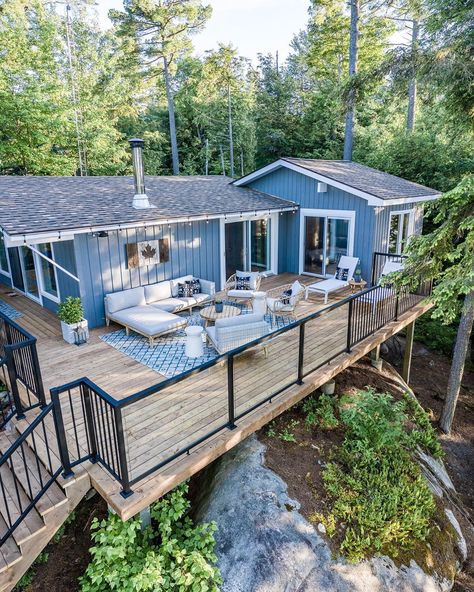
x=38, y=378
x=301, y=354
x=61, y=435
x=397, y=299
x=90, y=426
x=230, y=392
x=12, y=378
x=374, y=261
x=349, y=326
x=122, y=454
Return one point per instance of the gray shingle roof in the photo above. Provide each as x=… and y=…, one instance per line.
x=42, y=204
x=361, y=177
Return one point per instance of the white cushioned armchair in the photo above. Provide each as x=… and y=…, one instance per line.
x=232, y=290
x=233, y=332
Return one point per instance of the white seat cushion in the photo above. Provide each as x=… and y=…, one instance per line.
x=201, y=297
x=125, y=299
x=158, y=291
x=149, y=320
x=247, y=319
x=180, y=280
x=240, y=294
x=171, y=304
x=327, y=286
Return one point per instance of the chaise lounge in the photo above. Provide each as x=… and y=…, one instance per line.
x=151, y=310
x=344, y=274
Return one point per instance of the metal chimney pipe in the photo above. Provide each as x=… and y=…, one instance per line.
x=140, y=199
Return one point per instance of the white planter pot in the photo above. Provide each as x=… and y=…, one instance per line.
x=69, y=331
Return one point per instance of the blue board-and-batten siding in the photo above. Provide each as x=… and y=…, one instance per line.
x=302, y=189
x=102, y=262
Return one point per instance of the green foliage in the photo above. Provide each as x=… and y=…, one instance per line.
x=71, y=311
x=29, y=576
x=173, y=554
x=321, y=411
x=286, y=435
x=423, y=432
x=435, y=334
x=377, y=490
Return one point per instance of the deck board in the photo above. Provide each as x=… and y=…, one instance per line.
x=171, y=420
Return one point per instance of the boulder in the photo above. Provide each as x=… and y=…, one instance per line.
x=264, y=544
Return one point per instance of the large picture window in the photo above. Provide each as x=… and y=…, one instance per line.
x=3, y=255
x=401, y=228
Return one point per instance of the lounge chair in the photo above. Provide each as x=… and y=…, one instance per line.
x=344, y=273
x=383, y=292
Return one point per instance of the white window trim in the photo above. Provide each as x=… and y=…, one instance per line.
x=39, y=298
x=411, y=226
x=39, y=274
x=8, y=273
x=274, y=223
x=349, y=215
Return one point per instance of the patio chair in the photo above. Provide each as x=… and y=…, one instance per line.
x=233, y=332
x=383, y=292
x=344, y=273
x=284, y=300
x=234, y=286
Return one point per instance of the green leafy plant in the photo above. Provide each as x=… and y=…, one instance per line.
x=71, y=311
x=423, y=432
x=286, y=435
x=377, y=490
x=321, y=412
x=172, y=554
x=435, y=334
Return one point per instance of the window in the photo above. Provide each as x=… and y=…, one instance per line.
x=401, y=228
x=49, y=283
x=3, y=255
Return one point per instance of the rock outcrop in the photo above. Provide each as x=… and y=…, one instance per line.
x=265, y=545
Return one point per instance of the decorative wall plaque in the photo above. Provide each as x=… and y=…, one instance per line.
x=147, y=253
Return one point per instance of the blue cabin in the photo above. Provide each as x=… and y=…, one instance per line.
x=75, y=236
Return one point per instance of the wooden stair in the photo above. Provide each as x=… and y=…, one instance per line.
x=23, y=477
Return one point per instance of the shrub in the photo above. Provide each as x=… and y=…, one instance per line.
x=377, y=490
x=171, y=555
x=321, y=411
x=435, y=334
x=70, y=311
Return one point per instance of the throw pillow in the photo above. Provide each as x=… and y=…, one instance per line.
x=196, y=286
x=185, y=290
x=242, y=282
x=285, y=297
x=342, y=273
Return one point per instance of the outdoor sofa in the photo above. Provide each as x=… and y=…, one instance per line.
x=151, y=310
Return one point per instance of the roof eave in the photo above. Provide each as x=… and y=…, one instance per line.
x=372, y=200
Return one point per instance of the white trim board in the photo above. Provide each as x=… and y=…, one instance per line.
x=68, y=234
x=371, y=199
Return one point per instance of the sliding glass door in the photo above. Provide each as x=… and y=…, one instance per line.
x=248, y=246
x=30, y=279
x=325, y=238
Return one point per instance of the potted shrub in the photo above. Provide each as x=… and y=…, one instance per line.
x=358, y=274
x=219, y=305
x=71, y=315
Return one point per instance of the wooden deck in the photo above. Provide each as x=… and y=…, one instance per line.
x=172, y=419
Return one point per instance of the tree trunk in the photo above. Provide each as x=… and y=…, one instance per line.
x=412, y=84
x=459, y=359
x=231, y=134
x=172, y=120
x=353, y=50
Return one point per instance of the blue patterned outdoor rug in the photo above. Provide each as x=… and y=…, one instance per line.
x=9, y=311
x=168, y=355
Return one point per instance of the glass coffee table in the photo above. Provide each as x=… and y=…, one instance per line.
x=209, y=314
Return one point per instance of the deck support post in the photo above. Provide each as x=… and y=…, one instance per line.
x=407, y=355
x=376, y=360
x=230, y=393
